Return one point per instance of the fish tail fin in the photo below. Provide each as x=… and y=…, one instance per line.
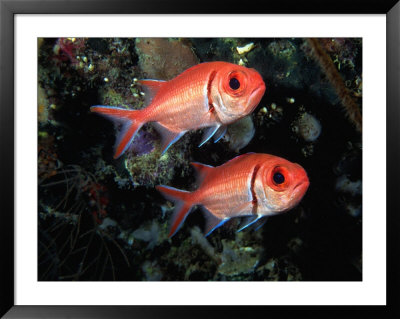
x=132, y=121
x=183, y=204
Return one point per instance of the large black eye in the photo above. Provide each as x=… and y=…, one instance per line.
x=278, y=178
x=234, y=83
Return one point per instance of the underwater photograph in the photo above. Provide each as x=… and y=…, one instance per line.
x=199, y=159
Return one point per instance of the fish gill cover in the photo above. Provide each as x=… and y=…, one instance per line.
x=102, y=218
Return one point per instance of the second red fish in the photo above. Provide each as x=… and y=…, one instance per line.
x=208, y=95
x=251, y=186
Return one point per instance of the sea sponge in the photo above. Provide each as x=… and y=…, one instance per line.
x=308, y=127
x=240, y=133
x=163, y=58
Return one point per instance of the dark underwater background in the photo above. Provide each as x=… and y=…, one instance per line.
x=102, y=219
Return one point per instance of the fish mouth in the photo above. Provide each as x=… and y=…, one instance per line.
x=302, y=186
x=257, y=94
x=257, y=89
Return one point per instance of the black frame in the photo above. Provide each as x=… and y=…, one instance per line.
x=8, y=8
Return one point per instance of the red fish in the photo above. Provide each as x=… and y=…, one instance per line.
x=208, y=95
x=252, y=185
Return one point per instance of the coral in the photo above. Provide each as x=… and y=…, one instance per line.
x=199, y=239
x=344, y=50
x=43, y=111
x=283, y=49
x=69, y=49
x=71, y=221
x=238, y=259
x=352, y=109
x=147, y=167
x=48, y=162
x=162, y=58
x=149, y=233
x=343, y=184
x=143, y=143
x=152, y=271
x=279, y=269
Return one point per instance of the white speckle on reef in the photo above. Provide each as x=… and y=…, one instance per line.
x=307, y=127
x=290, y=100
x=247, y=48
x=91, y=67
x=105, y=79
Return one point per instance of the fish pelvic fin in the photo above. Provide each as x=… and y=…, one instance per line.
x=208, y=133
x=150, y=88
x=131, y=120
x=212, y=221
x=220, y=133
x=255, y=222
x=183, y=205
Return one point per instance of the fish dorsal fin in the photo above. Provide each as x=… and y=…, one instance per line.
x=212, y=222
x=150, y=89
x=208, y=133
x=220, y=133
x=238, y=158
x=167, y=137
x=202, y=171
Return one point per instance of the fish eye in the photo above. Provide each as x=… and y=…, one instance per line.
x=278, y=178
x=234, y=83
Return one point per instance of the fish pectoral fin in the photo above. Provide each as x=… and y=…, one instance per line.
x=243, y=210
x=150, y=88
x=168, y=137
x=208, y=133
x=220, y=133
x=248, y=220
x=212, y=222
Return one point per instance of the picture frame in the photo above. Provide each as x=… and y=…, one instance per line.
x=8, y=10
